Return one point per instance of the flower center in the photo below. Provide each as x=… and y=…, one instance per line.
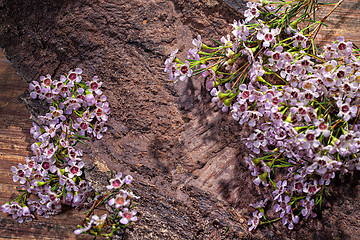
x=127, y=215
x=94, y=85
x=310, y=137
x=74, y=169
x=294, y=94
x=345, y=108
x=38, y=89
x=357, y=79
x=268, y=37
x=83, y=126
x=322, y=162
x=312, y=189
x=120, y=200
x=322, y=126
x=329, y=80
x=305, y=63
x=308, y=85
x=46, y=165
x=116, y=183
x=47, y=82
x=21, y=173
x=99, y=112
x=242, y=108
x=347, y=87
x=72, y=76
x=342, y=46
x=302, y=111
x=246, y=94
x=260, y=136
x=184, y=69
x=328, y=68
x=340, y=74
x=253, y=11
x=276, y=56
x=308, y=96
x=64, y=89
x=31, y=164
x=275, y=101
x=299, y=38
x=52, y=197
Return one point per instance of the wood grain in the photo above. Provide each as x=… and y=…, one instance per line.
x=344, y=21
x=15, y=140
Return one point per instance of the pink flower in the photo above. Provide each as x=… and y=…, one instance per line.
x=267, y=35
x=254, y=222
x=74, y=169
x=197, y=43
x=240, y=30
x=36, y=90
x=299, y=38
x=95, y=85
x=99, y=128
x=127, y=216
x=345, y=110
x=251, y=12
x=120, y=200
x=185, y=71
x=22, y=173
x=116, y=182
x=74, y=76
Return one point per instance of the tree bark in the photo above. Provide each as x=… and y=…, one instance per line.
x=185, y=156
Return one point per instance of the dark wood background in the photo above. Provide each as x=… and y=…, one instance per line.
x=15, y=138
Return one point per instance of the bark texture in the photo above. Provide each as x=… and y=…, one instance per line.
x=185, y=156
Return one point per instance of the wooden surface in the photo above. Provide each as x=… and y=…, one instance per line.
x=343, y=21
x=15, y=140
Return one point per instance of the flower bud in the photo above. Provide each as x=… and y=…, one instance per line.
x=230, y=53
x=256, y=161
x=299, y=129
x=231, y=61
x=264, y=2
x=221, y=95
x=268, y=164
x=254, y=49
x=294, y=24
x=333, y=141
x=216, y=83
x=263, y=176
x=178, y=61
x=288, y=118
x=261, y=209
x=227, y=102
x=260, y=79
x=203, y=46
x=40, y=184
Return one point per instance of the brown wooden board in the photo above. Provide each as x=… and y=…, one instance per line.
x=185, y=155
x=15, y=140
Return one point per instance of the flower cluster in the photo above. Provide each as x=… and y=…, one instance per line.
x=54, y=176
x=120, y=199
x=302, y=104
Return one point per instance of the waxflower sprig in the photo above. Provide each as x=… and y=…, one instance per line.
x=301, y=103
x=54, y=176
x=119, y=198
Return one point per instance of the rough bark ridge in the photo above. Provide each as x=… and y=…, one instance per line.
x=185, y=157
